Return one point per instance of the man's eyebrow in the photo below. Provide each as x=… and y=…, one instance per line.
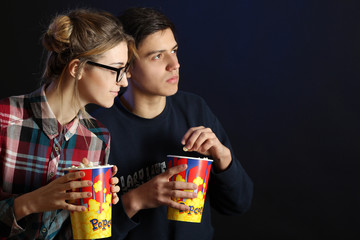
x=159, y=51
x=154, y=52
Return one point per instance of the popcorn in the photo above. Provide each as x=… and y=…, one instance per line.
x=82, y=165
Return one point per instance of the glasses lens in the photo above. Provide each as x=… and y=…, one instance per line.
x=122, y=73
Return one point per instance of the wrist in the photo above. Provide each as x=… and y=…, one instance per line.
x=131, y=203
x=23, y=206
x=223, y=162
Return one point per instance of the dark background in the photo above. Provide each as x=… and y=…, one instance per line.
x=283, y=78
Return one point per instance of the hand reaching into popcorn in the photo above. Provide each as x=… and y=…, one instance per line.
x=204, y=141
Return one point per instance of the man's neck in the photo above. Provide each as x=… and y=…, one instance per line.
x=145, y=106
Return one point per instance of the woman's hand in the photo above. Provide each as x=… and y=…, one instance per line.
x=114, y=187
x=53, y=196
x=113, y=182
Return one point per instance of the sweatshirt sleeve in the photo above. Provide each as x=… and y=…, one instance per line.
x=124, y=224
x=231, y=190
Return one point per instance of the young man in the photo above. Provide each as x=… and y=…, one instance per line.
x=163, y=121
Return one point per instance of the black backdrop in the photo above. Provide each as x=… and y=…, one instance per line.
x=282, y=76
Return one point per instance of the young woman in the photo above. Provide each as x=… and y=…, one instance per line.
x=48, y=130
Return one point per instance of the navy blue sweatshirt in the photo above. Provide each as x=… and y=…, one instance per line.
x=139, y=147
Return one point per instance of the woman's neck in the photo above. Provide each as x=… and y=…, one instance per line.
x=61, y=101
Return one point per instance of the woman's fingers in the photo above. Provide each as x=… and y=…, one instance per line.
x=77, y=195
x=75, y=208
x=114, y=170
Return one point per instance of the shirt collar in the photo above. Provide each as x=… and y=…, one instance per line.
x=45, y=118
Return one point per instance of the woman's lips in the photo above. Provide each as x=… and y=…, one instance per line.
x=115, y=93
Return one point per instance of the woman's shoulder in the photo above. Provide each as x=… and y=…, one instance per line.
x=97, y=128
x=12, y=110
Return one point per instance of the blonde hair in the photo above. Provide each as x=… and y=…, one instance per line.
x=82, y=34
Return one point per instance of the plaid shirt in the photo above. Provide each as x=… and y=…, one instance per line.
x=34, y=150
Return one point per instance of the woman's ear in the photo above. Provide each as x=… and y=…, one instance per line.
x=128, y=74
x=74, y=68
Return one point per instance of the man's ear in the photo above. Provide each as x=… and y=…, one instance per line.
x=74, y=68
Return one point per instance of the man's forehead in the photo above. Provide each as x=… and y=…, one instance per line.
x=158, y=41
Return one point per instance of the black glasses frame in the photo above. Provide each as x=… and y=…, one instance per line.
x=117, y=70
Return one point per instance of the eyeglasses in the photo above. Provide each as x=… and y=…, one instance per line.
x=120, y=72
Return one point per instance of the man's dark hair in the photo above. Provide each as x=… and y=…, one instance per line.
x=141, y=22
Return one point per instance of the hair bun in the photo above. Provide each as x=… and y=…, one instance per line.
x=57, y=37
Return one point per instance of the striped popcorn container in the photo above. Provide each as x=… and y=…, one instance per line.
x=197, y=172
x=95, y=222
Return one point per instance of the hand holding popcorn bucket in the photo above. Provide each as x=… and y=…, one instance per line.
x=198, y=172
x=95, y=222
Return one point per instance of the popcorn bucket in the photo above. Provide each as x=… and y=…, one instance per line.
x=95, y=222
x=198, y=172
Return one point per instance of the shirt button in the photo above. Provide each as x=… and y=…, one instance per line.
x=56, y=149
x=43, y=230
x=51, y=175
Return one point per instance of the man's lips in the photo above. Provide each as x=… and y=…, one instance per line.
x=173, y=79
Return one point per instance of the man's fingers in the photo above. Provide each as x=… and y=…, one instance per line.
x=196, y=139
x=177, y=185
x=183, y=194
x=175, y=170
x=178, y=206
x=189, y=133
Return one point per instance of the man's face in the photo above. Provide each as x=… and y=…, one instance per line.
x=156, y=72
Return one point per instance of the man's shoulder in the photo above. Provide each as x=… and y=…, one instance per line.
x=190, y=104
x=184, y=97
x=102, y=113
